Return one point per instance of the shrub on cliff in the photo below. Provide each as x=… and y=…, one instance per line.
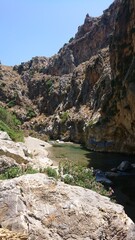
x=10, y=124
x=64, y=117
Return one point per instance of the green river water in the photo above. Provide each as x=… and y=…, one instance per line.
x=123, y=187
x=81, y=156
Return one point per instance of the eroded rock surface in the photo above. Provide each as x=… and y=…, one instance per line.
x=5, y=234
x=45, y=209
x=30, y=153
x=6, y=162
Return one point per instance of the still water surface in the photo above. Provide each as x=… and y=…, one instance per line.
x=124, y=187
x=77, y=154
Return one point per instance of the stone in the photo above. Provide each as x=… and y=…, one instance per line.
x=45, y=209
x=4, y=136
x=38, y=149
x=102, y=177
x=125, y=166
x=31, y=153
x=6, y=162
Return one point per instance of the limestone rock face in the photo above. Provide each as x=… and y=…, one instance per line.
x=115, y=128
x=92, y=36
x=123, y=73
x=45, y=209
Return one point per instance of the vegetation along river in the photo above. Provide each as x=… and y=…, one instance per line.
x=123, y=186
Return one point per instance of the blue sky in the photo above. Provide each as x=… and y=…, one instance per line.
x=41, y=27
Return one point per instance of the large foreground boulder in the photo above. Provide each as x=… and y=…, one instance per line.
x=45, y=209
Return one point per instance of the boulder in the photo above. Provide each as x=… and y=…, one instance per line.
x=11, y=147
x=46, y=209
x=32, y=152
x=124, y=166
x=4, y=136
x=6, y=162
x=101, y=177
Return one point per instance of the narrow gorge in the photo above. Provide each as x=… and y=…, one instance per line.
x=83, y=94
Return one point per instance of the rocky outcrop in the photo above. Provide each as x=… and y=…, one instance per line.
x=31, y=153
x=92, y=36
x=45, y=209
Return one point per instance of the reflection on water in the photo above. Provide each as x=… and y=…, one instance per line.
x=123, y=187
x=69, y=152
x=78, y=154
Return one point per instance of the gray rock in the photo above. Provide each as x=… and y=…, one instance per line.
x=4, y=136
x=46, y=209
x=6, y=162
x=124, y=166
x=131, y=234
x=133, y=166
x=102, y=178
x=30, y=152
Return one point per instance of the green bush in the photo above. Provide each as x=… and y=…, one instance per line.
x=68, y=179
x=10, y=124
x=49, y=86
x=64, y=117
x=9, y=118
x=12, y=103
x=51, y=172
x=31, y=113
x=49, y=83
x=81, y=176
x=30, y=170
x=11, y=173
x=14, y=134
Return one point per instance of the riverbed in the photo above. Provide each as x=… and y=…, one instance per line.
x=123, y=187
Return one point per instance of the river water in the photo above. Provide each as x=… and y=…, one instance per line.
x=123, y=187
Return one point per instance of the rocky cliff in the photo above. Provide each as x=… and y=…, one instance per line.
x=85, y=93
